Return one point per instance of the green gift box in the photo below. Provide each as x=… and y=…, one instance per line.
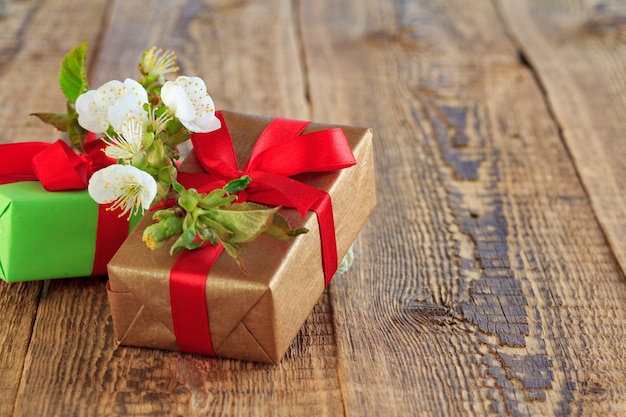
x=46, y=235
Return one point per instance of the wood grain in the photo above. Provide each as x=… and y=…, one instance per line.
x=577, y=49
x=18, y=303
x=487, y=281
x=31, y=49
x=39, y=34
x=78, y=335
x=73, y=368
x=483, y=273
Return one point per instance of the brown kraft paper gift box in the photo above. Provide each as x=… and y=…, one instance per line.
x=256, y=316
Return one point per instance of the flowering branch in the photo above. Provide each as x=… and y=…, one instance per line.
x=142, y=123
x=215, y=218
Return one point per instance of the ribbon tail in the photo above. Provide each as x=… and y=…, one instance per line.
x=324, y=211
x=188, y=299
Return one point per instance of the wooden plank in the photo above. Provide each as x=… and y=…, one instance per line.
x=470, y=295
x=38, y=35
x=483, y=284
x=577, y=49
x=31, y=49
x=18, y=304
x=245, y=52
x=73, y=367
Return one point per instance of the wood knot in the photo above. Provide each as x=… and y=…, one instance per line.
x=405, y=36
x=595, y=389
x=434, y=313
x=605, y=22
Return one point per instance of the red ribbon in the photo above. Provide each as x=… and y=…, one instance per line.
x=281, y=152
x=58, y=168
x=55, y=165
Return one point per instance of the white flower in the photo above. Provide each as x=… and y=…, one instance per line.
x=111, y=104
x=128, y=143
x=127, y=187
x=158, y=63
x=188, y=99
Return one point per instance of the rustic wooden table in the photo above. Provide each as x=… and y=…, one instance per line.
x=490, y=279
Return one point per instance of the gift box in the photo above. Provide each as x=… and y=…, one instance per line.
x=45, y=235
x=49, y=225
x=255, y=315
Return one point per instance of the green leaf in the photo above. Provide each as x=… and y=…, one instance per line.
x=215, y=199
x=58, y=120
x=237, y=185
x=178, y=187
x=186, y=240
x=76, y=134
x=281, y=230
x=189, y=223
x=212, y=228
x=73, y=74
x=148, y=139
x=246, y=220
x=207, y=235
x=188, y=200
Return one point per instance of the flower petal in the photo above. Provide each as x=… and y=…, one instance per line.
x=208, y=123
x=127, y=187
x=186, y=91
x=125, y=109
x=108, y=93
x=136, y=90
x=99, y=187
x=91, y=116
x=94, y=107
x=176, y=99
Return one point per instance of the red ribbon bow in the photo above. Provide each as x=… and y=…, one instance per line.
x=281, y=152
x=58, y=168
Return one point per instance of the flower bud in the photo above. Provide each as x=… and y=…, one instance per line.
x=158, y=233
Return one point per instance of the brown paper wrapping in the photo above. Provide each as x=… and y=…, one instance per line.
x=256, y=316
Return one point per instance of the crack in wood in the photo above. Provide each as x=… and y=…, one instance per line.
x=492, y=297
x=299, y=37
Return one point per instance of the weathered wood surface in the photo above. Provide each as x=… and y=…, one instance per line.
x=487, y=282
x=578, y=50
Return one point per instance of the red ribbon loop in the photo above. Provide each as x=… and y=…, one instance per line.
x=281, y=152
x=16, y=161
x=55, y=165
x=59, y=168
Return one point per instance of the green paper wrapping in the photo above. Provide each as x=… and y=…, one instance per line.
x=46, y=235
